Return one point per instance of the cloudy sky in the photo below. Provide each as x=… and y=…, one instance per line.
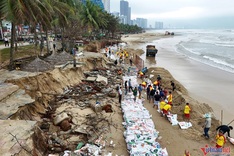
x=206, y=13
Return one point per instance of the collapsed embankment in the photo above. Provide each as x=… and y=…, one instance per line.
x=47, y=84
x=66, y=111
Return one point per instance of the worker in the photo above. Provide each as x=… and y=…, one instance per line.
x=220, y=139
x=135, y=94
x=156, y=83
x=187, y=111
x=139, y=90
x=169, y=98
x=207, y=126
x=143, y=84
x=224, y=129
x=159, y=78
x=141, y=74
x=166, y=109
x=162, y=103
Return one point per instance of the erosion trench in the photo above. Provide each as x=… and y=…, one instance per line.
x=78, y=105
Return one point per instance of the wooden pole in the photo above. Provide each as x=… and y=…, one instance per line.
x=230, y=122
x=221, y=117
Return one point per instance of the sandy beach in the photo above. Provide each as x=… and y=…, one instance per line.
x=204, y=84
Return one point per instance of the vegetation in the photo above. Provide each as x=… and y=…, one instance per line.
x=70, y=18
x=24, y=51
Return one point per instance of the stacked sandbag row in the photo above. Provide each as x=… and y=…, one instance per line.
x=140, y=134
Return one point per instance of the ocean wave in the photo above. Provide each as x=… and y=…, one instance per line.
x=214, y=64
x=190, y=50
x=224, y=45
x=218, y=61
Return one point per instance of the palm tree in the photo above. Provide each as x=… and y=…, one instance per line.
x=91, y=17
x=63, y=10
x=112, y=24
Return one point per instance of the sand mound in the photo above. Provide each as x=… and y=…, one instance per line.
x=59, y=58
x=37, y=65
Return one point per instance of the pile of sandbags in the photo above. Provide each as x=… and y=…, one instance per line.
x=140, y=134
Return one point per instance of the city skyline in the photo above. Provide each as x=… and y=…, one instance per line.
x=182, y=13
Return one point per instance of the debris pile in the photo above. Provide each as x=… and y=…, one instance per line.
x=79, y=118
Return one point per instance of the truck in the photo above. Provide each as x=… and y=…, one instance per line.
x=151, y=50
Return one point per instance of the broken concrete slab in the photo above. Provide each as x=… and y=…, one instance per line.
x=15, y=74
x=10, y=105
x=91, y=79
x=81, y=129
x=102, y=79
x=20, y=130
x=6, y=89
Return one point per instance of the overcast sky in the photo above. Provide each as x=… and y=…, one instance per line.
x=182, y=12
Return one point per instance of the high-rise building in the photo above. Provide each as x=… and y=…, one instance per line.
x=106, y=4
x=158, y=25
x=141, y=22
x=129, y=15
x=125, y=11
x=97, y=2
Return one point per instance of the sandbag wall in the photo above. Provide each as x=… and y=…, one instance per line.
x=140, y=134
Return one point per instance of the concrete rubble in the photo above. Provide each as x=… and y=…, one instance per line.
x=75, y=121
x=81, y=116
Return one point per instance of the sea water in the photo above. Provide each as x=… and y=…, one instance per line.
x=212, y=47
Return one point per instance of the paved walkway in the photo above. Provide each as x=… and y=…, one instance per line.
x=21, y=44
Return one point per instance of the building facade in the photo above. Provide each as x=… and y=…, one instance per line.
x=125, y=11
x=106, y=4
x=123, y=19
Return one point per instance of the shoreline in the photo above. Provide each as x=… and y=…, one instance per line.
x=185, y=79
x=205, y=83
x=192, y=81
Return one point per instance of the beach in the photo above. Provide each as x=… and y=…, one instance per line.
x=205, y=85
x=195, y=83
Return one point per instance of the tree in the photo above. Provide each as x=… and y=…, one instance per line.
x=20, y=11
x=112, y=24
x=92, y=17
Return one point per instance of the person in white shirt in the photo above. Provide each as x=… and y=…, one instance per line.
x=120, y=94
x=6, y=41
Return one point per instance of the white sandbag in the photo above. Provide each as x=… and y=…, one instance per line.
x=231, y=140
x=164, y=152
x=173, y=119
x=185, y=125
